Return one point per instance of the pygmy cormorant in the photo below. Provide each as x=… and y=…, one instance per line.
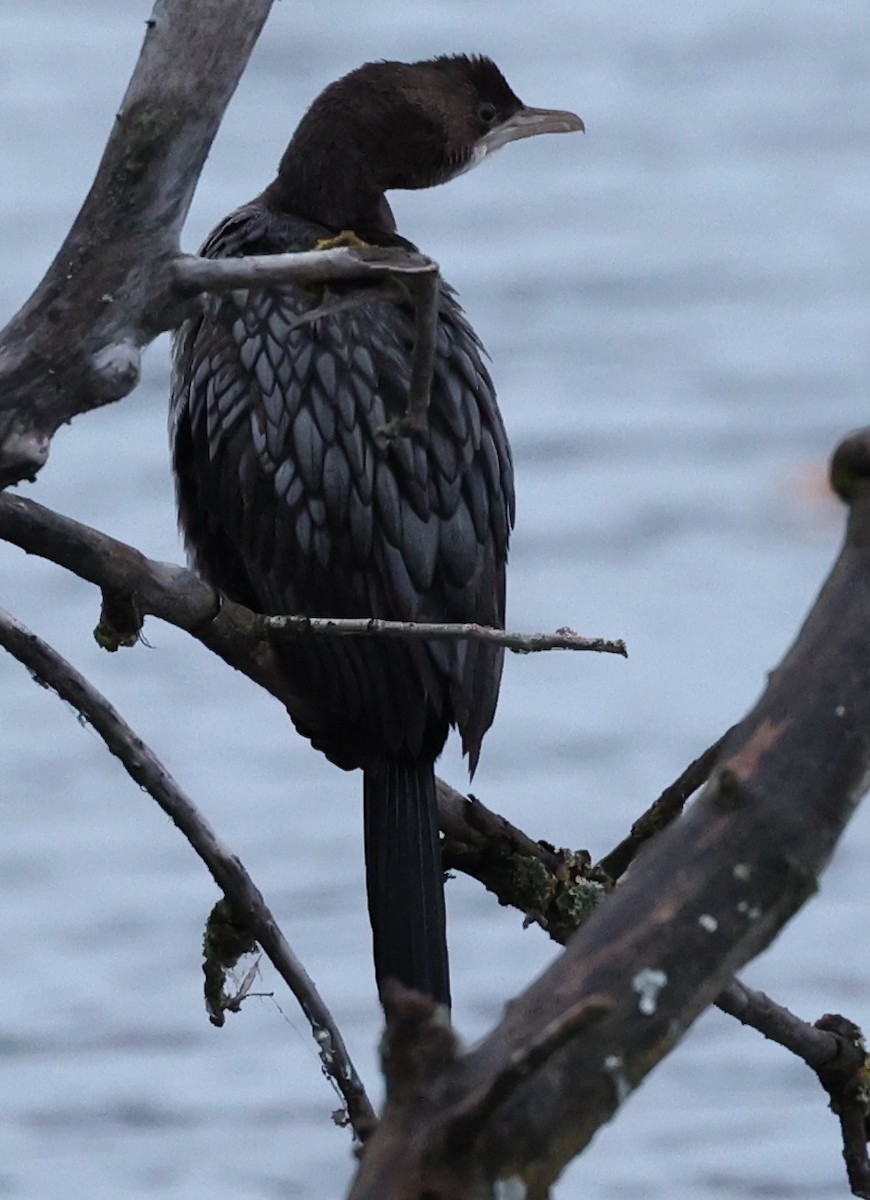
x=290, y=503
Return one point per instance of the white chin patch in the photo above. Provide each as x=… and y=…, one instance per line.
x=477, y=155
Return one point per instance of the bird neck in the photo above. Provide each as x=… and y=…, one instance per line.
x=331, y=185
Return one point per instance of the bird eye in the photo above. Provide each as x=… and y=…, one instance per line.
x=486, y=112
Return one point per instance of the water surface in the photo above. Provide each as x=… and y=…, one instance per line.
x=677, y=308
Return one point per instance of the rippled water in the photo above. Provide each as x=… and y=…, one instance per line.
x=677, y=307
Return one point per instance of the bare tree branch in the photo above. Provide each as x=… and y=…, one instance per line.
x=556, y=888
x=470, y=1118
x=818, y=1048
x=76, y=342
x=662, y=811
x=134, y=586
x=560, y=889
x=519, y=643
x=707, y=894
x=51, y=670
x=120, y=277
x=193, y=275
x=834, y=1048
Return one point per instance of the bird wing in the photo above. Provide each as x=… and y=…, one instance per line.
x=292, y=503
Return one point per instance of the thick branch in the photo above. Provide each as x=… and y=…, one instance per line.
x=707, y=894
x=51, y=670
x=75, y=344
x=559, y=890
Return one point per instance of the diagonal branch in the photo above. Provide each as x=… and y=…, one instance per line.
x=708, y=893
x=662, y=811
x=76, y=342
x=560, y=889
x=51, y=670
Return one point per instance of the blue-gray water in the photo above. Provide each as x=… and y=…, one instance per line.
x=677, y=306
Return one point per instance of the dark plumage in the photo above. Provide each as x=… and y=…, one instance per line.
x=289, y=503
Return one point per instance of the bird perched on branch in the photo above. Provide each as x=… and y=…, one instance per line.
x=291, y=501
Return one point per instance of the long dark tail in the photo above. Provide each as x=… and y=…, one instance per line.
x=405, y=879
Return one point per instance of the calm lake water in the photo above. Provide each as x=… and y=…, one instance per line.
x=677, y=307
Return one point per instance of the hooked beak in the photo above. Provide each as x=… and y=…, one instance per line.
x=529, y=122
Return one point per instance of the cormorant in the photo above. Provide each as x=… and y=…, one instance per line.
x=289, y=502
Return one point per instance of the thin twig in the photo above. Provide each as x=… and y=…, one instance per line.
x=51, y=670
x=662, y=811
x=180, y=597
x=519, y=643
x=418, y=283
x=425, y=292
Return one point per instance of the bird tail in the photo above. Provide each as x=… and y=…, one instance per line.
x=405, y=879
